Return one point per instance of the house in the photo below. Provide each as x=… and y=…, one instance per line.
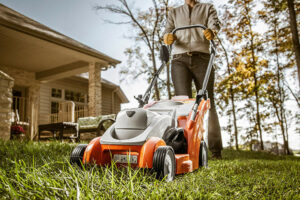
x=47, y=67
x=75, y=89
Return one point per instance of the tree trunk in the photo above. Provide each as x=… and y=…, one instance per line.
x=281, y=111
x=256, y=86
x=231, y=98
x=166, y=3
x=287, y=134
x=294, y=30
x=277, y=148
x=293, y=94
x=157, y=95
x=281, y=127
x=258, y=121
x=258, y=118
x=251, y=149
x=168, y=82
x=234, y=120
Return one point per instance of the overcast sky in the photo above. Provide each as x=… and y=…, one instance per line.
x=77, y=19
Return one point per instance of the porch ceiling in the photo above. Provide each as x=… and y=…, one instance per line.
x=26, y=44
x=35, y=55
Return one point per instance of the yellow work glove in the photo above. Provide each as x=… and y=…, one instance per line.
x=169, y=38
x=209, y=34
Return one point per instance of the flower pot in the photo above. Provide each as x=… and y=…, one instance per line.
x=21, y=137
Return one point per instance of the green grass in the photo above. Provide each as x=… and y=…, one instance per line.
x=41, y=170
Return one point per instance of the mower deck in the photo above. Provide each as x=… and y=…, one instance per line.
x=104, y=154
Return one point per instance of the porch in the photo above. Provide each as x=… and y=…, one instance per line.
x=20, y=110
x=34, y=54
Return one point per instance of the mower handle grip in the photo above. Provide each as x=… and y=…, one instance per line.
x=212, y=43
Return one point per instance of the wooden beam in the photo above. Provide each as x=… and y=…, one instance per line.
x=63, y=71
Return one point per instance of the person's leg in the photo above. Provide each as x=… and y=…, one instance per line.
x=181, y=75
x=199, y=67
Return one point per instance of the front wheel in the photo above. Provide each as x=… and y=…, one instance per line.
x=164, y=163
x=77, y=155
x=203, y=155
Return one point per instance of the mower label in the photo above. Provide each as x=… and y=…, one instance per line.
x=119, y=158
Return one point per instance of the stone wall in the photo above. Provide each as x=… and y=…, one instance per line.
x=6, y=84
x=95, y=92
x=27, y=79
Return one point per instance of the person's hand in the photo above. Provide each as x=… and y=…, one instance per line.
x=169, y=38
x=209, y=34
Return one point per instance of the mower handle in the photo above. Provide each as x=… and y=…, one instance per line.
x=202, y=93
x=212, y=43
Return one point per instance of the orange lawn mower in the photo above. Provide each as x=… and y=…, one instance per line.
x=166, y=136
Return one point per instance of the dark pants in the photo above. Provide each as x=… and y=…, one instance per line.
x=186, y=69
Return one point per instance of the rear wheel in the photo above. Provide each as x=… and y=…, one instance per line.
x=77, y=155
x=164, y=163
x=203, y=155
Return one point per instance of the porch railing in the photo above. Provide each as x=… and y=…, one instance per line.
x=19, y=105
x=80, y=111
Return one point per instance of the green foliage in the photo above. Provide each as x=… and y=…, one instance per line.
x=252, y=83
x=246, y=68
x=41, y=170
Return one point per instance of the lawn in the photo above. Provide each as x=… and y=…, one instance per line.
x=42, y=171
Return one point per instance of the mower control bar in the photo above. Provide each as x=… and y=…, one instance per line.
x=212, y=43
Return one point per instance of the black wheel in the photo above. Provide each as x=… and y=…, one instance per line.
x=175, y=138
x=203, y=155
x=77, y=154
x=164, y=163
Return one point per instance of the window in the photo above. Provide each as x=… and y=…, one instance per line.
x=74, y=96
x=54, y=107
x=56, y=93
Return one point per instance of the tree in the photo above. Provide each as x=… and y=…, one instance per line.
x=278, y=46
x=225, y=87
x=146, y=28
x=249, y=46
x=295, y=36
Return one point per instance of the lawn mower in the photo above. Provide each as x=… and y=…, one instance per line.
x=166, y=136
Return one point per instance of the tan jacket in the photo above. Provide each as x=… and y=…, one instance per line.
x=192, y=39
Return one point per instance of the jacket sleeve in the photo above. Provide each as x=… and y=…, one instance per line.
x=170, y=22
x=213, y=21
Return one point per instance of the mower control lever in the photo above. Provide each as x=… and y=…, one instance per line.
x=164, y=57
x=139, y=98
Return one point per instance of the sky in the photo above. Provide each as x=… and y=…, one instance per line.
x=79, y=20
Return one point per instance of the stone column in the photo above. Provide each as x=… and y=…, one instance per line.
x=6, y=84
x=33, y=108
x=95, y=92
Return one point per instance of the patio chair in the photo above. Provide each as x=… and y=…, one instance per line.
x=97, y=124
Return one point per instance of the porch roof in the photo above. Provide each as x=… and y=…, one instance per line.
x=34, y=47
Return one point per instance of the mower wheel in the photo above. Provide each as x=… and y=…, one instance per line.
x=77, y=154
x=164, y=163
x=203, y=155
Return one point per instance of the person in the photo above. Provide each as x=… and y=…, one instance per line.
x=191, y=57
